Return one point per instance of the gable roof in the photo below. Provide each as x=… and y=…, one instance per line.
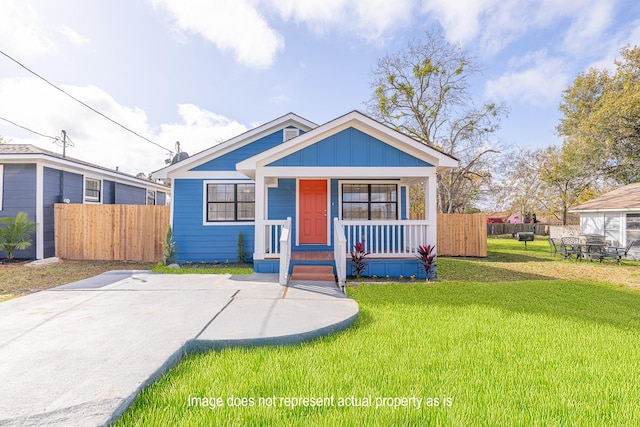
x=236, y=142
x=358, y=121
x=20, y=152
x=621, y=199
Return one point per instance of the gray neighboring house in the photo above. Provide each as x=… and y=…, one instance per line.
x=615, y=215
x=32, y=180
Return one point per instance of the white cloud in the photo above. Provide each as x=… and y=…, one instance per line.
x=370, y=20
x=21, y=29
x=494, y=24
x=32, y=103
x=535, y=79
x=25, y=32
x=72, y=35
x=242, y=27
x=231, y=25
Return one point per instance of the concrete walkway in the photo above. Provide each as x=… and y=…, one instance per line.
x=78, y=355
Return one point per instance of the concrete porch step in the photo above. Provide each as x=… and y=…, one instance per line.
x=320, y=273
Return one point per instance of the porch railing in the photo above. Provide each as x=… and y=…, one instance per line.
x=387, y=238
x=340, y=253
x=272, y=232
x=285, y=251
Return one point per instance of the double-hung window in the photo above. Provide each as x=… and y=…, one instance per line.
x=92, y=190
x=369, y=201
x=151, y=197
x=230, y=202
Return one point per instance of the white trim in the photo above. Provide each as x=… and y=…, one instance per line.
x=611, y=210
x=347, y=172
x=84, y=191
x=39, y=211
x=328, y=209
x=1, y=185
x=235, y=143
x=370, y=181
x=204, y=201
x=80, y=169
x=172, y=206
x=358, y=121
x=212, y=175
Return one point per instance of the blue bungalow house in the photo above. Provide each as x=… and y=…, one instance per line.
x=32, y=180
x=300, y=192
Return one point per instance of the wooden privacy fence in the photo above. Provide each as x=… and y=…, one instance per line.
x=498, y=229
x=462, y=235
x=110, y=232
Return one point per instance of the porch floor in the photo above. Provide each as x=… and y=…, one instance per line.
x=311, y=255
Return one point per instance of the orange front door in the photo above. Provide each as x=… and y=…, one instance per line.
x=313, y=212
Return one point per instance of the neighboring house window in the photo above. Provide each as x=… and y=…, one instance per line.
x=230, y=202
x=633, y=227
x=612, y=229
x=1, y=184
x=92, y=190
x=369, y=201
x=151, y=197
x=290, y=133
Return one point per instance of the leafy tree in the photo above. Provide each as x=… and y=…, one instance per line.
x=15, y=233
x=601, y=119
x=548, y=180
x=423, y=91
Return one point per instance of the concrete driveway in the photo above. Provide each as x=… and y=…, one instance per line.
x=78, y=355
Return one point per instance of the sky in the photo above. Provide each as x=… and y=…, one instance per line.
x=201, y=72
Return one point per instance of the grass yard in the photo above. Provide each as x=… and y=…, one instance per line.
x=17, y=279
x=515, y=339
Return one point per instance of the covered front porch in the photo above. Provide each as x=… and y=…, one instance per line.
x=293, y=228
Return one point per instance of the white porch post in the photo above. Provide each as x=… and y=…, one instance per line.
x=258, y=251
x=431, y=208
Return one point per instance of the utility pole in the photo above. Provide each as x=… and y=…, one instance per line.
x=64, y=144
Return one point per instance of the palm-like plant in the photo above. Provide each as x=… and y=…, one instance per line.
x=15, y=233
x=357, y=257
x=427, y=256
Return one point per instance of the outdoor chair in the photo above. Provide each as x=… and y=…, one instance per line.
x=554, y=245
x=570, y=246
x=619, y=253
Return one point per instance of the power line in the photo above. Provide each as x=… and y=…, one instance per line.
x=55, y=138
x=83, y=103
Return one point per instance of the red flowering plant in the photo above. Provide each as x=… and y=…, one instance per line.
x=357, y=257
x=427, y=256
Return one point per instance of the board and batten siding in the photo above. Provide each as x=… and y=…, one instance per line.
x=227, y=162
x=196, y=242
x=19, y=195
x=350, y=147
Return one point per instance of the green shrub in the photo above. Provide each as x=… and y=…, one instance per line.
x=16, y=233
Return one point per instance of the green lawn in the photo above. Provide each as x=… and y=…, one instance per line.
x=501, y=341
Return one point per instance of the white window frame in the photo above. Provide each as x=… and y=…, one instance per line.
x=89, y=199
x=205, y=183
x=155, y=194
x=1, y=185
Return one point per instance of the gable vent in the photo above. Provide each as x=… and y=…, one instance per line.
x=290, y=133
